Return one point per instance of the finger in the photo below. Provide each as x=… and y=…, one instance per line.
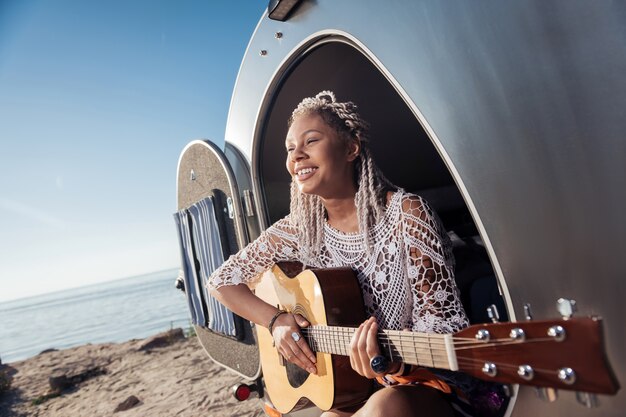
x=300, y=358
x=299, y=351
x=304, y=346
x=355, y=357
x=372, y=347
x=362, y=349
x=290, y=355
x=284, y=327
x=305, y=354
x=301, y=321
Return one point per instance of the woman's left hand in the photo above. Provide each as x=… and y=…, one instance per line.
x=364, y=347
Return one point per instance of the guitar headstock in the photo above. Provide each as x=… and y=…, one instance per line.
x=564, y=354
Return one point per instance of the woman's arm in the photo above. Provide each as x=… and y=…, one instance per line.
x=430, y=269
x=242, y=301
x=230, y=285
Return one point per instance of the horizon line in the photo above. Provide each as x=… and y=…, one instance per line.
x=20, y=298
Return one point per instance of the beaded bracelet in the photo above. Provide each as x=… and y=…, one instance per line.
x=271, y=325
x=389, y=379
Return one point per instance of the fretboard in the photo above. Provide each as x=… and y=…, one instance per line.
x=424, y=349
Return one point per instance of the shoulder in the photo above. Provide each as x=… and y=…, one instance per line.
x=412, y=204
x=283, y=227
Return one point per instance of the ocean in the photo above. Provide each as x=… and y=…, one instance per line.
x=114, y=311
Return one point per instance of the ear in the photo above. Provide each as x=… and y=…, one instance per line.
x=353, y=148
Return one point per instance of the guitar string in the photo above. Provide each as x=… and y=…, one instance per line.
x=394, y=333
x=468, y=362
x=439, y=359
x=501, y=365
x=437, y=338
x=415, y=357
x=346, y=340
x=411, y=342
x=384, y=335
x=425, y=346
x=473, y=361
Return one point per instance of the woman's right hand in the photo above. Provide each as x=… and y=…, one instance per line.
x=297, y=352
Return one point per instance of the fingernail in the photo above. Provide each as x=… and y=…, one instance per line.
x=312, y=370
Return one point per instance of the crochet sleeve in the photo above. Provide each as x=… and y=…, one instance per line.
x=430, y=269
x=277, y=243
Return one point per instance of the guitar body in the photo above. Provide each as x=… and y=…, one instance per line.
x=327, y=297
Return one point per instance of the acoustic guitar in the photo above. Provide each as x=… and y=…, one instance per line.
x=564, y=354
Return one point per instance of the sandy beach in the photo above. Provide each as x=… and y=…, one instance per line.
x=167, y=376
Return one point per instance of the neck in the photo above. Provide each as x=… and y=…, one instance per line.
x=341, y=211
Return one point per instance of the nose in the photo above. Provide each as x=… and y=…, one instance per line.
x=297, y=153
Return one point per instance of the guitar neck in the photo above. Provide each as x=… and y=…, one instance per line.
x=423, y=349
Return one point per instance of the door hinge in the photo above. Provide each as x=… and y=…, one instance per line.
x=248, y=203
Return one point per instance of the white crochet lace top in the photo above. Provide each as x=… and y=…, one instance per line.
x=407, y=281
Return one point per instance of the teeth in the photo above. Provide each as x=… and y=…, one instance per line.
x=306, y=171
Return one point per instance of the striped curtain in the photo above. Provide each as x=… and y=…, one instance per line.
x=201, y=254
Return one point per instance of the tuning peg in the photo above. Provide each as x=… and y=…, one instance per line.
x=527, y=313
x=492, y=312
x=566, y=308
x=548, y=395
x=587, y=399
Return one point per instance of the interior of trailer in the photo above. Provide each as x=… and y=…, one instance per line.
x=399, y=143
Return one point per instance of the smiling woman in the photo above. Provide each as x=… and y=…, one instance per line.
x=345, y=213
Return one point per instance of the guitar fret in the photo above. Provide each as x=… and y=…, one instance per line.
x=432, y=360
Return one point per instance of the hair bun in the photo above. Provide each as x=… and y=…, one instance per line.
x=327, y=96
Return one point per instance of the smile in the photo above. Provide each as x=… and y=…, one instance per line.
x=305, y=173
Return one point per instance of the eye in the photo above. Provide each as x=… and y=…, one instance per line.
x=311, y=140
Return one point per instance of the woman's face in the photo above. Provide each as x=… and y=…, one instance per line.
x=318, y=160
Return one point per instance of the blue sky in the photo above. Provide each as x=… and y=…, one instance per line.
x=97, y=100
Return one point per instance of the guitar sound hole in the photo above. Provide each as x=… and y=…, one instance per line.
x=295, y=375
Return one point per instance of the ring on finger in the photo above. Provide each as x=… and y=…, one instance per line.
x=295, y=336
x=379, y=364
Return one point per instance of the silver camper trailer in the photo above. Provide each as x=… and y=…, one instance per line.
x=507, y=116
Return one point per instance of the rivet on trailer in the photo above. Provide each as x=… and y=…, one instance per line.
x=507, y=116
